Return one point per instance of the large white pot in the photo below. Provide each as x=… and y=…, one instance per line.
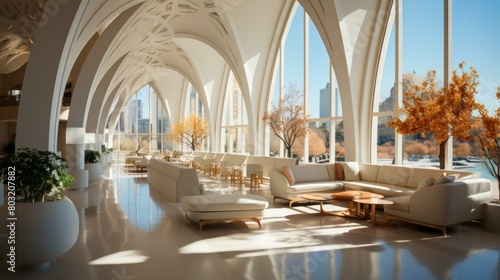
x=43, y=231
x=95, y=171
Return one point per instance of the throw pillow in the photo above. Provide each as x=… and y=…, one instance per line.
x=444, y=180
x=426, y=182
x=287, y=171
x=339, y=171
x=351, y=171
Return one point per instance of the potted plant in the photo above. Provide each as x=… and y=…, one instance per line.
x=106, y=155
x=45, y=223
x=92, y=165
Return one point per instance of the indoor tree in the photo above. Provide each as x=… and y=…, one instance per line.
x=191, y=131
x=288, y=119
x=486, y=139
x=442, y=112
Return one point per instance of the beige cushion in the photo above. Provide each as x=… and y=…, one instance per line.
x=444, y=180
x=401, y=203
x=223, y=203
x=309, y=173
x=368, y=172
x=287, y=171
x=394, y=175
x=351, y=171
x=331, y=170
x=426, y=182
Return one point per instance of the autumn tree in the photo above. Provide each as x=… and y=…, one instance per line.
x=440, y=112
x=486, y=136
x=316, y=144
x=191, y=131
x=142, y=142
x=288, y=119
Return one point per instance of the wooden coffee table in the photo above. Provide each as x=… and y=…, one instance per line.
x=353, y=211
x=370, y=211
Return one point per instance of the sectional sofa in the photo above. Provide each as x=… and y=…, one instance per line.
x=173, y=180
x=431, y=197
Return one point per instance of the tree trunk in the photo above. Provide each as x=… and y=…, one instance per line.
x=289, y=151
x=442, y=154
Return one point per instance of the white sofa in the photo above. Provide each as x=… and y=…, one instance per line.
x=420, y=195
x=442, y=205
x=173, y=180
x=387, y=180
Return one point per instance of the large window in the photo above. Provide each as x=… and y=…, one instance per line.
x=142, y=124
x=306, y=65
x=235, y=120
x=475, y=33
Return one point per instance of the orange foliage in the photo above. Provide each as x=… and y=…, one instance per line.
x=416, y=148
x=339, y=150
x=461, y=149
x=191, y=131
x=316, y=145
x=386, y=150
x=442, y=112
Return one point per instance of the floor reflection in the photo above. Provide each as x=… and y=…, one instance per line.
x=129, y=231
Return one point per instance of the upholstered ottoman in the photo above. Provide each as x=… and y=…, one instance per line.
x=206, y=208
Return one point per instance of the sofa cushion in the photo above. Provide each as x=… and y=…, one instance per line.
x=310, y=173
x=326, y=186
x=386, y=190
x=351, y=171
x=330, y=167
x=368, y=172
x=444, y=180
x=339, y=171
x=426, y=182
x=394, y=175
x=401, y=203
x=289, y=175
x=221, y=203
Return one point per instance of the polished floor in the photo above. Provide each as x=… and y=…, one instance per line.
x=128, y=231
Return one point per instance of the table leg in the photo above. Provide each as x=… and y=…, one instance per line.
x=373, y=214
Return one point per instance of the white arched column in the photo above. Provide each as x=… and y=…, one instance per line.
x=46, y=76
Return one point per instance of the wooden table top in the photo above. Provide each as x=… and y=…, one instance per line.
x=344, y=195
x=373, y=201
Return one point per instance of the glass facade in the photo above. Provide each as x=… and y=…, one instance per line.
x=422, y=48
x=143, y=124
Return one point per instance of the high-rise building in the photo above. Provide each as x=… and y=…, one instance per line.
x=324, y=102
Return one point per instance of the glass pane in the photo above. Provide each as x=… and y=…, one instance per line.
x=318, y=136
x=319, y=76
x=387, y=99
x=420, y=57
x=294, y=51
x=339, y=140
x=477, y=42
x=420, y=151
x=385, y=140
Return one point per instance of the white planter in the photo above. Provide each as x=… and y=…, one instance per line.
x=491, y=217
x=95, y=171
x=81, y=179
x=43, y=231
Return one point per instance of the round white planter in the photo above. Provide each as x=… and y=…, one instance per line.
x=43, y=231
x=95, y=171
x=81, y=179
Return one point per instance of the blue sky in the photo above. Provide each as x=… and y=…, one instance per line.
x=475, y=40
